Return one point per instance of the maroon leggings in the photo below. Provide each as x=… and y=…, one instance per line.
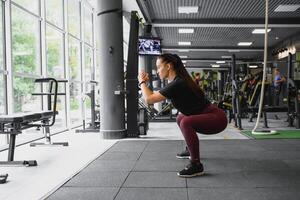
x=212, y=120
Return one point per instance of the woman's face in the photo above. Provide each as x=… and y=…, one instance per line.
x=162, y=69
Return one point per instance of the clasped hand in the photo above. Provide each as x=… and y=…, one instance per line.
x=143, y=77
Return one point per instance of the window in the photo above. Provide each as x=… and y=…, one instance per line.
x=75, y=80
x=60, y=121
x=31, y=5
x=25, y=42
x=88, y=26
x=75, y=98
x=74, y=59
x=88, y=71
x=23, y=100
x=55, y=53
x=1, y=39
x=2, y=94
x=74, y=17
x=55, y=69
x=54, y=12
x=88, y=57
x=2, y=85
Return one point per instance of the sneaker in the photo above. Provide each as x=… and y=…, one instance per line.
x=185, y=154
x=191, y=170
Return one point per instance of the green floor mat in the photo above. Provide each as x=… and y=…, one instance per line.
x=281, y=134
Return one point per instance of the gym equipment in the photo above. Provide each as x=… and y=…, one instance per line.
x=137, y=121
x=293, y=88
x=46, y=125
x=95, y=116
x=13, y=124
x=3, y=178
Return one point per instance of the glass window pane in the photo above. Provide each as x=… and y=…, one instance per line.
x=60, y=120
x=55, y=53
x=1, y=38
x=54, y=12
x=88, y=26
x=23, y=100
x=74, y=17
x=2, y=95
x=75, y=98
x=31, y=5
x=87, y=106
x=74, y=59
x=25, y=42
x=88, y=56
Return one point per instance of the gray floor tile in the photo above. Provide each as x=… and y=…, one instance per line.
x=154, y=179
x=152, y=194
x=223, y=194
x=129, y=146
x=222, y=165
x=280, y=178
x=234, y=169
x=292, y=141
x=164, y=146
x=84, y=193
x=158, y=165
x=293, y=164
x=162, y=156
x=120, y=156
x=101, y=179
x=231, y=147
x=263, y=165
x=111, y=165
x=219, y=180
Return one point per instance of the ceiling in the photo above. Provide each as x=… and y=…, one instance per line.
x=219, y=26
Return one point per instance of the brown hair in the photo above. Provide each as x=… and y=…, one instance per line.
x=181, y=72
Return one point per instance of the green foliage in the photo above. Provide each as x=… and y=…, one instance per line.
x=74, y=103
x=53, y=58
x=24, y=48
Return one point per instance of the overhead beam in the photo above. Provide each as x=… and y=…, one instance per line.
x=227, y=49
x=228, y=23
x=209, y=60
x=209, y=68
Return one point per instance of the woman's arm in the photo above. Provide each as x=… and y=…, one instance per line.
x=149, y=96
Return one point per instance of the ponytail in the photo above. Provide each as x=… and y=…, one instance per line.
x=181, y=72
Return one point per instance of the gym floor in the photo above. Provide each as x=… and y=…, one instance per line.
x=145, y=168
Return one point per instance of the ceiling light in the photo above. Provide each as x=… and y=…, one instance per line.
x=276, y=38
x=234, y=50
x=184, y=43
x=183, y=56
x=186, y=30
x=260, y=31
x=184, y=61
x=183, y=50
x=244, y=43
x=188, y=9
x=215, y=66
x=225, y=56
x=221, y=62
x=287, y=8
x=253, y=66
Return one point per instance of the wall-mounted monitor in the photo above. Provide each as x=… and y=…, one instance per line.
x=149, y=46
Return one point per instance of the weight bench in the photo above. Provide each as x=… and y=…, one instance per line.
x=13, y=124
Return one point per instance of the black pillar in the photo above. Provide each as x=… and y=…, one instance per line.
x=111, y=80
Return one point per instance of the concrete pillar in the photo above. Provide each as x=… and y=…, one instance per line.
x=110, y=36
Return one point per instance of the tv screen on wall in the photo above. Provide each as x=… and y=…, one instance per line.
x=149, y=46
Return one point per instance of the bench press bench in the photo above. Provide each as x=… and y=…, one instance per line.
x=13, y=124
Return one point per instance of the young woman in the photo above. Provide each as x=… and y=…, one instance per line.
x=196, y=112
